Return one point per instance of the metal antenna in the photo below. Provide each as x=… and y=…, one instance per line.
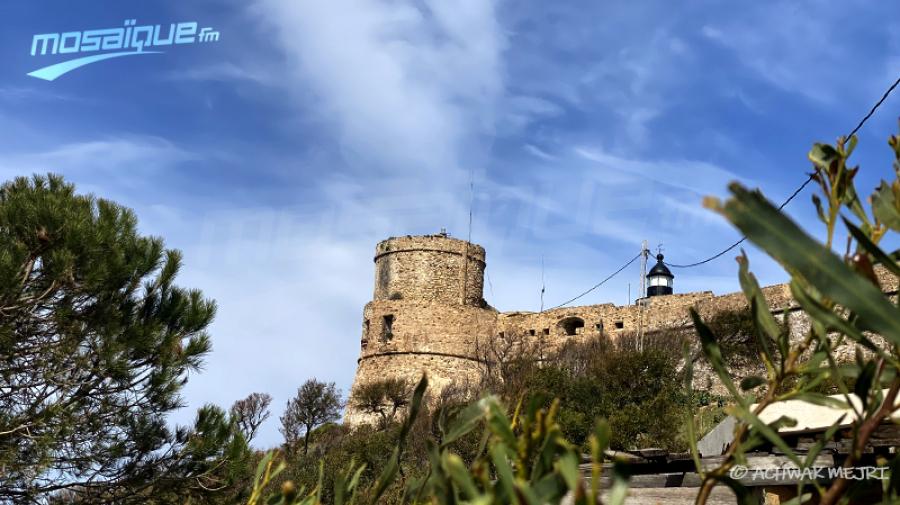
x=645, y=252
x=543, y=287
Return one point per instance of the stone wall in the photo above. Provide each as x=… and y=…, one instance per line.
x=433, y=268
x=428, y=313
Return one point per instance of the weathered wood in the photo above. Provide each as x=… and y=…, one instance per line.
x=651, y=453
x=721, y=495
x=760, y=471
x=886, y=435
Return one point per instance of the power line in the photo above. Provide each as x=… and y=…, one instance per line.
x=802, y=186
x=732, y=246
x=875, y=107
x=739, y=242
x=632, y=260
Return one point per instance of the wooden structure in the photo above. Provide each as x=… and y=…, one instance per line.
x=658, y=476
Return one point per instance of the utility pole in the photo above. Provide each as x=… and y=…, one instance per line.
x=645, y=252
x=543, y=287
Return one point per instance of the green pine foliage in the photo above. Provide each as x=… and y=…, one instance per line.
x=96, y=342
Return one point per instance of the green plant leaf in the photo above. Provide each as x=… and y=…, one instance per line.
x=821, y=213
x=769, y=432
x=775, y=233
x=467, y=420
x=763, y=315
x=691, y=426
x=354, y=481
x=525, y=495
x=387, y=476
x=568, y=469
x=748, y=383
x=884, y=206
x=340, y=487
x=767, y=328
x=714, y=354
x=821, y=400
x=500, y=425
x=460, y=475
x=505, y=478
x=876, y=252
x=260, y=468
x=830, y=320
x=851, y=200
x=864, y=383
x=415, y=407
x=823, y=155
x=821, y=441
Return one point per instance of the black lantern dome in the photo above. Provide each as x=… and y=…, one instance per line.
x=659, y=280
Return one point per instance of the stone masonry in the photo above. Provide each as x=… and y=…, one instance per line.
x=428, y=311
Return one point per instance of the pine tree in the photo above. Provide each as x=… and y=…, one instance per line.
x=96, y=342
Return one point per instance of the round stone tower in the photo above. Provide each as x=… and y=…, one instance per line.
x=425, y=315
x=430, y=268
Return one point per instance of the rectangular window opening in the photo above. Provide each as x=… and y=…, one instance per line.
x=387, y=329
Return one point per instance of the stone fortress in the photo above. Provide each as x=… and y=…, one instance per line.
x=428, y=313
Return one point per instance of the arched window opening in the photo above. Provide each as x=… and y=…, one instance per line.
x=572, y=325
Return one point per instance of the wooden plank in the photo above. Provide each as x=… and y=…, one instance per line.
x=721, y=495
x=761, y=470
x=651, y=453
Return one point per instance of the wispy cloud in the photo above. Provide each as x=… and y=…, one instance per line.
x=802, y=47
x=406, y=86
x=697, y=176
x=224, y=71
x=100, y=164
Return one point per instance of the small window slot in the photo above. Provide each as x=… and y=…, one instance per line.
x=387, y=328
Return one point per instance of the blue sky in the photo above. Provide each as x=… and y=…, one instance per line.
x=278, y=156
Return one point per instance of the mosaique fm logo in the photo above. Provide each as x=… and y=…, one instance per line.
x=129, y=40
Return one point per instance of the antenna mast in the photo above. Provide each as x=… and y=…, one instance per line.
x=645, y=252
x=543, y=287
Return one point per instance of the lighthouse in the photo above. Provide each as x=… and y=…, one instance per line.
x=659, y=279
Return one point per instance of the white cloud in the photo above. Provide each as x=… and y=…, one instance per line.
x=290, y=298
x=224, y=71
x=698, y=177
x=99, y=165
x=804, y=47
x=540, y=153
x=407, y=86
